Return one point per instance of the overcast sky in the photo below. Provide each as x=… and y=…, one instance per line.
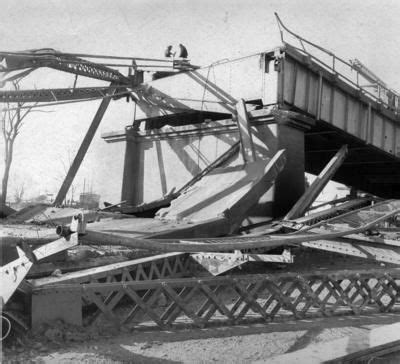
x=211, y=30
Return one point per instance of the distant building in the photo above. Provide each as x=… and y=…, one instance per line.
x=89, y=200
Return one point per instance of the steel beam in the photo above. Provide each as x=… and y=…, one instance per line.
x=12, y=274
x=315, y=217
x=56, y=246
x=367, y=216
x=66, y=304
x=83, y=148
x=54, y=95
x=57, y=60
x=246, y=138
x=331, y=231
x=218, y=263
x=215, y=164
x=168, y=265
x=386, y=254
x=233, y=299
x=317, y=186
x=359, y=245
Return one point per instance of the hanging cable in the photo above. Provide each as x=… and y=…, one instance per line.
x=5, y=327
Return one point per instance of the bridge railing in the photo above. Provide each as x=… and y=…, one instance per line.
x=345, y=71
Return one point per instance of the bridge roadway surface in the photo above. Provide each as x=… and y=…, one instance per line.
x=341, y=110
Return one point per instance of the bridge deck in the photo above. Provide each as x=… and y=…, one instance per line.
x=345, y=112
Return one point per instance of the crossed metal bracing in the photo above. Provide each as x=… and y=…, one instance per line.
x=60, y=61
x=53, y=299
x=149, y=268
x=84, y=68
x=61, y=94
x=239, y=299
x=174, y=265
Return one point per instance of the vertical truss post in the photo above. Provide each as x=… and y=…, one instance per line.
x=83, y=148
x=318, y=185
x=246, y=138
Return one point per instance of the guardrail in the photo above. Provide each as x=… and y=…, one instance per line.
x=385, y=96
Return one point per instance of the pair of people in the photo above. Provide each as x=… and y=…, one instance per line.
x=183, y=53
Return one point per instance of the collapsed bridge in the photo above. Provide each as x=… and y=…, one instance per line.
x=221, y=145
x=294, y=101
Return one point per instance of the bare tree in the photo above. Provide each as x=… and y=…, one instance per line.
x=69, y=199
x=19, y=192
x=12, y=118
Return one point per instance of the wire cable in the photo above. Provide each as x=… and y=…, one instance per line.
x=8, y=326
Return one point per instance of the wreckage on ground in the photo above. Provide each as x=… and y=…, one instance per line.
x=214, y=179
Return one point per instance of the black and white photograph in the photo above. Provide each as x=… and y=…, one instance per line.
x=200, y=181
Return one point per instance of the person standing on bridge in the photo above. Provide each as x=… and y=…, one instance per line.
x=168, y=52
x=183, y=53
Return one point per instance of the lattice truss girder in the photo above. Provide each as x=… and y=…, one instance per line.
x=87, y=69
x=234, y=300
x=60, y=94
x=52, y=297
x=148, y=268
x=175, y=266
x=59, y=61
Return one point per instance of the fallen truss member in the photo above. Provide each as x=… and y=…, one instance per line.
x=22, y=259
x=330, y=231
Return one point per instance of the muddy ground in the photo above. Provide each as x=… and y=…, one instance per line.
x=237, y=344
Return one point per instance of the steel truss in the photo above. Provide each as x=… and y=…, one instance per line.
x=148, y=268
x=59, y=61
x=234, y=299
x=52, y=299
x=84, y=68
x=54, y=95
x=316, y=217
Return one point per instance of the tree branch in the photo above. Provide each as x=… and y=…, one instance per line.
x=12, y=121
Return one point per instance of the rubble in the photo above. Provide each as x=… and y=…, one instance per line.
x=229, y=242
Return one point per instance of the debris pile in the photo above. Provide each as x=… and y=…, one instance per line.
x=164, y=286
x=241, y=240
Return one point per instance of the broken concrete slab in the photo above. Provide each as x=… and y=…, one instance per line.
x=214, y=206
x=225, y=191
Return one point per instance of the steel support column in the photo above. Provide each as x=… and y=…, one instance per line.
x=83, y=149
x=318, y=185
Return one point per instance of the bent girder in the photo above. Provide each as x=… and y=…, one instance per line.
x=57, y=60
